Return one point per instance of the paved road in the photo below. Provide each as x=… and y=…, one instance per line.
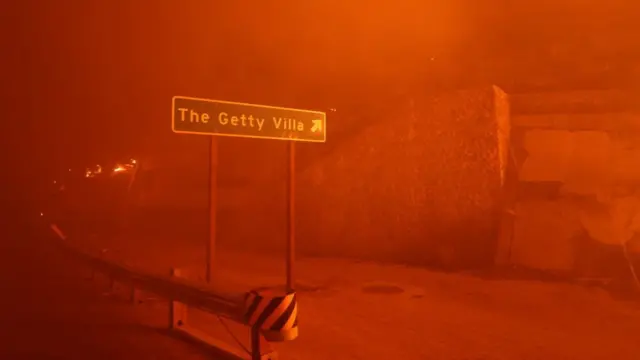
x=49, y=311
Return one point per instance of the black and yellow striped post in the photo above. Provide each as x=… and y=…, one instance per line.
x=273, y=312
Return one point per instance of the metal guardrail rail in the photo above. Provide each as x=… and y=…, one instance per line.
x=182, y=294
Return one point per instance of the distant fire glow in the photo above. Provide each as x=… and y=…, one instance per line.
x=119, y=169
x=92, y=172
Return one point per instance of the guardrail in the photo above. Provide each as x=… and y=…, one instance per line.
x=270, y=314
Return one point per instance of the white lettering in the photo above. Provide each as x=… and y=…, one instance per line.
x=182, y=111
x=223, y=118
x=259, y=121
x=242, y=120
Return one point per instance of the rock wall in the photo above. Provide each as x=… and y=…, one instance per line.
x=420, y=185
x=578, y=184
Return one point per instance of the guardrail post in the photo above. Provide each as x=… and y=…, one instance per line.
x=112, y=284
x=92, y=275
x=134, y=295
x=112, y=280
x=260, y=348
x=177, y=310
x=256, y=349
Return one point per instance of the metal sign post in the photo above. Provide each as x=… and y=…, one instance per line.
x=213, y=201
x=291, y=215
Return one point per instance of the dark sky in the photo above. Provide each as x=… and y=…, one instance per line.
x=90, y=79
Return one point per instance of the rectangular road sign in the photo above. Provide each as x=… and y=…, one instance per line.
x=224, y=118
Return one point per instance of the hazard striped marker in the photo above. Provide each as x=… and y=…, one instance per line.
x=275, y=313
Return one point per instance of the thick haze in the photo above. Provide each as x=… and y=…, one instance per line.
x=91, y=79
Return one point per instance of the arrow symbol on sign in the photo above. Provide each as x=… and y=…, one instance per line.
x=317, y=125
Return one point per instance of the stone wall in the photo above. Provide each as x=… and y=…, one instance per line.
x=421, y=185
x=578, y=185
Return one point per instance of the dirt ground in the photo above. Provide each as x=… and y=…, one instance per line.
x=360, y=310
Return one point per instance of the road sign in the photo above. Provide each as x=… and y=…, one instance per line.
x=224, y=118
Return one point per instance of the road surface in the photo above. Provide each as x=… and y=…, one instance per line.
x=51, y=311
x=365, y=310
